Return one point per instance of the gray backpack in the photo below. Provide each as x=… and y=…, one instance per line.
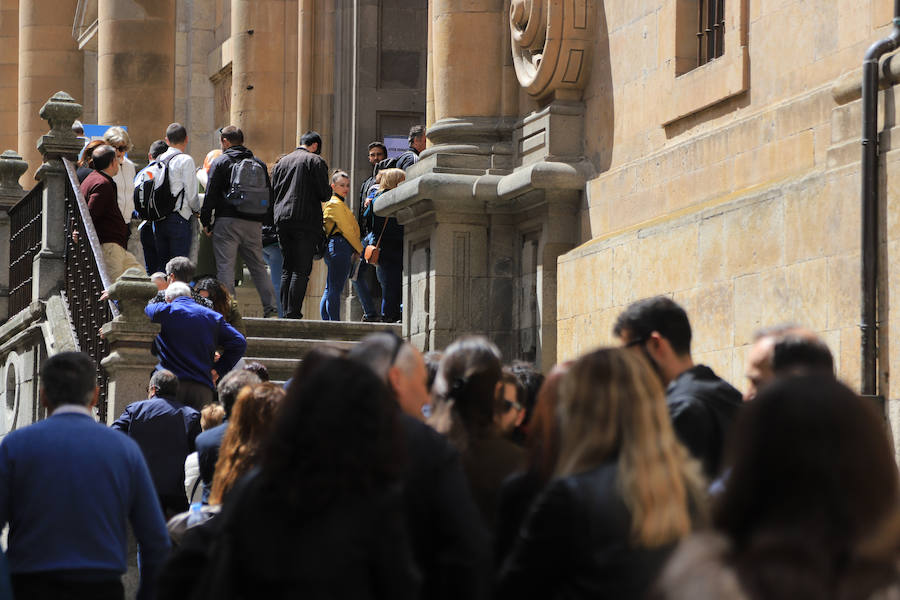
x=248, y=192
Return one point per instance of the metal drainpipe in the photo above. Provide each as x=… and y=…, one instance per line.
x=870, y=241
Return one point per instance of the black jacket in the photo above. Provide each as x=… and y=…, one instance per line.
x=576, y=543
x=219, y=182
x=703, y=407
x=301, y=185
x=450, y=544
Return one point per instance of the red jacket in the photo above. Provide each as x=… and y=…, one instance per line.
x=100, y=194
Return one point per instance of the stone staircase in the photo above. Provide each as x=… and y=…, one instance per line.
x=280, y=344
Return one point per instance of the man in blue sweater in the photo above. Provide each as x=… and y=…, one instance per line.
x=165, y=429
x=68, y=489
x=188, y=341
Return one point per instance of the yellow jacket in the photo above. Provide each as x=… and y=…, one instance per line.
x=338, y=219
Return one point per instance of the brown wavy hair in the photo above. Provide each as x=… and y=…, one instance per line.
x=612, y=408
x=252, y=419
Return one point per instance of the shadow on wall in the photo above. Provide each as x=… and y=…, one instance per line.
x=600, y=108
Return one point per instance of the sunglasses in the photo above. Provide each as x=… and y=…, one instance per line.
x=122, y=148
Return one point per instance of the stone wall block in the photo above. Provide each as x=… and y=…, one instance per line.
x=843, y=291
x=806, y=285
x=711, y=311
x=755, y=237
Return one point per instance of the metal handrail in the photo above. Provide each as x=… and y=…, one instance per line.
x=25, y=223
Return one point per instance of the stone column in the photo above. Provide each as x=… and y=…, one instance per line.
x=259, y=86
x=49, y=264
x=11, y=168
x=467, y=53
x=49, y=60
x=9, y=73
x=136, y=68
x=130, y=335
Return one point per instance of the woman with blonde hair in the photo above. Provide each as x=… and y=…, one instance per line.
x=252, y=419
x=118, y=138
x=343, y=244
x=387, y=234
x=625, y=489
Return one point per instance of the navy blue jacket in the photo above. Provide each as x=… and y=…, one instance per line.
x=165, y=430
x=68, y=489
x=208, y=444
x=189, y=338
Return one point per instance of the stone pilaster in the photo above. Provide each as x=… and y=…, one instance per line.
x=49, y=60
x=49, y=264
x=11, y=168
x=9, y=73
x=136, y=45
x=130, y=335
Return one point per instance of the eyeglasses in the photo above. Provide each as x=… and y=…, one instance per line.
x=636, y=342
x=122, y=148
x=508, y=406
x=398, y=344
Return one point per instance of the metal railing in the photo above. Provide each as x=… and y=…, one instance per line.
x=86, y=279
x=25, y=224
x=711, y=30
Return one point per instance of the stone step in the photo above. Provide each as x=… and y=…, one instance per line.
x=303, y=329
x=286, y=348
x=280, y=369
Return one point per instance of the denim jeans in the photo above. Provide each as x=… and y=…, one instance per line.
x=148, y=242
x=173, y=237
x=273, y=257
x=362, y=291
x=337, y=258
x=390, y=276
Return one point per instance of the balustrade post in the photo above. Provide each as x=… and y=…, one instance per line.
x=12, y=166
x=130, y=336
x=60, y=111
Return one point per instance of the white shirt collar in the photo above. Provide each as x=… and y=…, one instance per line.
x=72, y=408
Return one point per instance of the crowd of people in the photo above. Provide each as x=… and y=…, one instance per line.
x=275, y=221
x=380, y=472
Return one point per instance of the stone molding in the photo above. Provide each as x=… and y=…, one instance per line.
x=551, y=46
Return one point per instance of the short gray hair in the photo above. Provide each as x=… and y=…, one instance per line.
x=165, y=382
x=182, y=268
x=231, y=384
x=177, y=289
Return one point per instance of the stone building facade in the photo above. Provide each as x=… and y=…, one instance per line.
x=582, y=154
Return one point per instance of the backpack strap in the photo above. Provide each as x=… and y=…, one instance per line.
x=165, y=162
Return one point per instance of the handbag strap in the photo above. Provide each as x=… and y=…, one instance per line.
x=378, y=243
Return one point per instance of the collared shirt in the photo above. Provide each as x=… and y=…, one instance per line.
x=182, y=176
x=72, y=408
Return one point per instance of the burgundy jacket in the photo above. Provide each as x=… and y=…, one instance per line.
x=100, y=194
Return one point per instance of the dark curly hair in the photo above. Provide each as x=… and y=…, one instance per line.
x=337, y=438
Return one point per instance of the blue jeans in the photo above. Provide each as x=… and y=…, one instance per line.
x=173, y=237
x=273, y=257
x=337, y=258
x=362, y=291
x=148, y=242
x=390, y=276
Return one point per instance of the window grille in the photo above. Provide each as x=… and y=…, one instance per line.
x=711, y=32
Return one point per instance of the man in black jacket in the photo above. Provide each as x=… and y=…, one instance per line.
x=450, y=544
x=301, y=185
x=702, y=405
x=238, y=220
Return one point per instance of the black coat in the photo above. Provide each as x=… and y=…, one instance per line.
x=576, y=544
x=301, y=186
x=703, y=408
x=449, y=541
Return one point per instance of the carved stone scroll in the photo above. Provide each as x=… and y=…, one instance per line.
x=551, y=46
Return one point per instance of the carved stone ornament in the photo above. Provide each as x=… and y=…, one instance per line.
x=132, y=290
x=551, y=46
x=11, y=168
x=60, y=112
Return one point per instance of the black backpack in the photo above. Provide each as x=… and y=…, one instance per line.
x=247, y=191
x=153, y=198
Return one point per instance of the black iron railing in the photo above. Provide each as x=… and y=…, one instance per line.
x=711, y=30
x=25, y=223
x=85, y=281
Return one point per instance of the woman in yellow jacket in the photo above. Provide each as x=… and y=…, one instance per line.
x=343, y=244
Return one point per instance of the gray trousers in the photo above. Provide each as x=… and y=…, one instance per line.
x=231, y=236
